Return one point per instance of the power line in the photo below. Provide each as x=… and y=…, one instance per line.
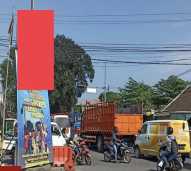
x=125, y=15
x=141, y=62
x=173, y=60
x=116, y=14
x=132, y=44
x=183, y=73
x=120, y=22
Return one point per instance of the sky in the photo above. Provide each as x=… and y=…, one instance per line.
x=150, y=33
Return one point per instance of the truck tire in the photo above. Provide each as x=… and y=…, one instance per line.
x=99, y=143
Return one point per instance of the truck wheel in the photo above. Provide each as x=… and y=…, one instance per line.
x=99, y=143
x=137, y=152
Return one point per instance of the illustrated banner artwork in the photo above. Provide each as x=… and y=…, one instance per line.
x=34, y=128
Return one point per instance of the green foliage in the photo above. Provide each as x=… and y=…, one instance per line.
x=137, y=93
x=167, y=90
x=73, y=70
x=156, y=97
x=110, y=97
x=11, y=86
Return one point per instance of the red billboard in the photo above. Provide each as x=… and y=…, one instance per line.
x=35, y=35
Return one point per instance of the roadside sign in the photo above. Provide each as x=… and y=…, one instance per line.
x=91, y=90
x=34, y=128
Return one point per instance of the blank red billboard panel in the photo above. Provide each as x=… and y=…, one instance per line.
x=35, y=35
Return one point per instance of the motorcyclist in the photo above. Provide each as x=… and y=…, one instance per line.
x=171, y=147
x=115, y=140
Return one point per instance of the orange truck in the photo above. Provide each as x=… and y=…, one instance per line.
x=99, y=120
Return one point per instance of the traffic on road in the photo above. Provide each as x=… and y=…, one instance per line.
x=95, y=85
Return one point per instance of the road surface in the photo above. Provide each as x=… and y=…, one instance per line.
x=145, y=164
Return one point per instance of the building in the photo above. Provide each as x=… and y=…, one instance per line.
x=179, y=107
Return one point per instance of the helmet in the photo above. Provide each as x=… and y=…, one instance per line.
x=169, y=130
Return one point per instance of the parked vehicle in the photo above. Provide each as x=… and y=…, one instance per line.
x=63, y=122
x=175, y=163
x=9, y=140
x=123, y=153
x=99, y=120
x=75, y=148
x=154, y=131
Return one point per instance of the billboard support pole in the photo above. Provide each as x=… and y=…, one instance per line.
x=32, y=4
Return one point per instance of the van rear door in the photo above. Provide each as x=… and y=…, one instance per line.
x=181, y=132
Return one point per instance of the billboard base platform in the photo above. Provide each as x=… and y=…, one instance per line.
x=39, y=168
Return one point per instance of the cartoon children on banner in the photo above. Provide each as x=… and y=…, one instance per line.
x=35, y=138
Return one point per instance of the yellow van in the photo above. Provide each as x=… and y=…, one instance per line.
x=153, y=132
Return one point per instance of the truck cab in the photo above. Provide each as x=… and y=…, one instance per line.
x=57, y=137
x=63, y=122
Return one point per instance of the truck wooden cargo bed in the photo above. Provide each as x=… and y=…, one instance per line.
x=101, y=118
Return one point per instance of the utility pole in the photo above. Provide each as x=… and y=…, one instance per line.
x=32, y=4
x=105, y=83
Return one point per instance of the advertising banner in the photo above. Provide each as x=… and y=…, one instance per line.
x=35, y=41
x=34, y=128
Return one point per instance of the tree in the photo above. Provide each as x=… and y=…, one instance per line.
x=167, y=90
x=11, y=86
x=137, y=93
x=110, y=97
x=73, y=70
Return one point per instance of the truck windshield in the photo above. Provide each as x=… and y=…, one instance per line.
x=62, y=122
x=9, y=128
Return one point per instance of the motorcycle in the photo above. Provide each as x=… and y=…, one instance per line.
x=175, y=163
x=123, y=154
x=81, y=153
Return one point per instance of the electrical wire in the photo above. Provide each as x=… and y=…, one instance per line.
x=140, y=62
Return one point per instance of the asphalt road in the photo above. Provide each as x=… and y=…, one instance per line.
x=145, y=164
